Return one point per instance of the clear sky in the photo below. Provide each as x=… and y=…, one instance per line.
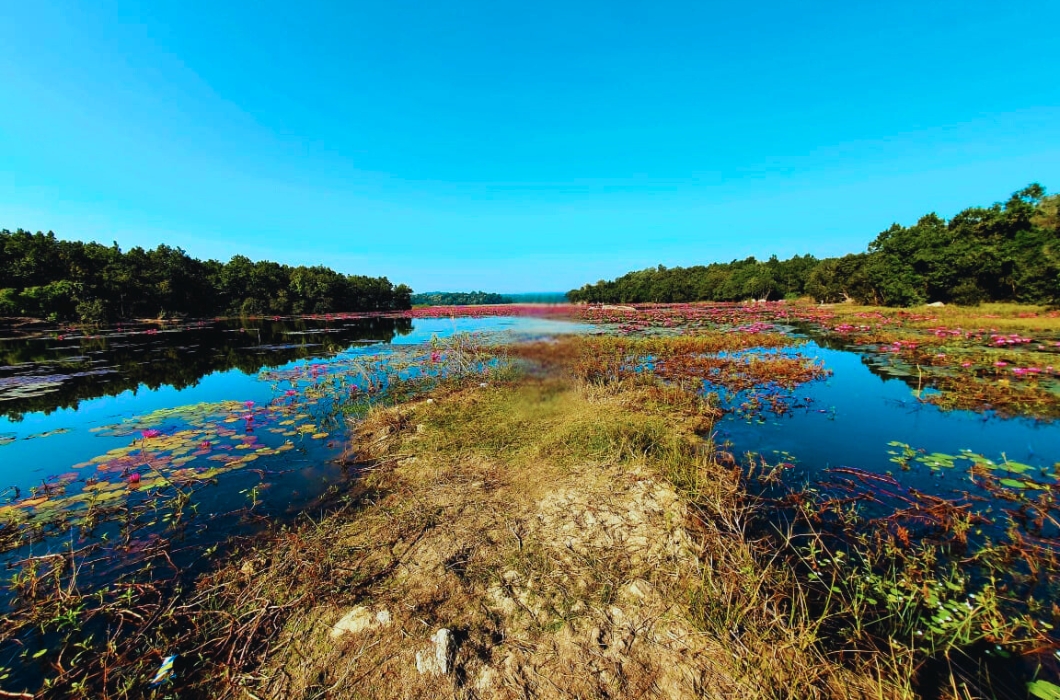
x=517, y=146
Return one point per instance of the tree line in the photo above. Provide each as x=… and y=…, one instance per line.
x=42, y=276
x=1009, y=251
x=458, y=299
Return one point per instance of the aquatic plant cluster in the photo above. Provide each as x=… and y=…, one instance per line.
x=972, y=570
x=980, y=367
x=750, y=370
x=117, y=530
x=967, y=572
x=962, y=584
x=170, y=448
x=490, y=310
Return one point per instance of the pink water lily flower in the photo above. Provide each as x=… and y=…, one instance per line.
x=150, y=433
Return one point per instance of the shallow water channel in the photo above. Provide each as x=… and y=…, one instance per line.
x=852, y=418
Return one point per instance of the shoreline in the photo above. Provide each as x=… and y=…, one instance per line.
x=556, y=447
x=548, y=527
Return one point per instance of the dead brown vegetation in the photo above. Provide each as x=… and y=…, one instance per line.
x=578, y=539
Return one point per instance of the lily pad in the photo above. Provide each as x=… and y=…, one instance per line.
x=1044, y=690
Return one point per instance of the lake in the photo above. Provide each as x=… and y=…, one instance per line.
x=852, y=418
x=168, y=441
x=114, y=442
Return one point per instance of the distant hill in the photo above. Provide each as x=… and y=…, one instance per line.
x=539, y=298
x=482, y=298
x=459, y=299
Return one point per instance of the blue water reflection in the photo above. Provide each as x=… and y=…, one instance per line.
x=852, y=416
x=45, y=443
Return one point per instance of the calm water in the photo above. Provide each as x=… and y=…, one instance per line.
x=214, y=396
x=64, y=398
x=55, y=391
x=849, y=420
x=244, y=415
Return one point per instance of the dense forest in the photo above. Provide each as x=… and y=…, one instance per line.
x=1006, y=252
x=458, y=298
x=44, y=277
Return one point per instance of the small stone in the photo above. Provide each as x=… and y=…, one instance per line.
x=639, y=589
x=358, y=620
x=438, y=659
x=486, y=681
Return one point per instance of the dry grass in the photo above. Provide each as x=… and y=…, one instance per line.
x=998, y=316
x=580, y=542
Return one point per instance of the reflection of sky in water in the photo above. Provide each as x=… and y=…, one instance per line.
x=855, y=414
x=26, y=462
x=423, y=329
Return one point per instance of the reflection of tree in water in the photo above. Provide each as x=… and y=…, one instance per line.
x=178, y=359
x=881, y=365
x=897, y=370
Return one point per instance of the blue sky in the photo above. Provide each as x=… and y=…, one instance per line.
x=517, y=146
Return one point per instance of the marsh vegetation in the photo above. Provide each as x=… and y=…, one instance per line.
x=638, y=511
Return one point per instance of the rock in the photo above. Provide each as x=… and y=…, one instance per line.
x=639, y=589
x=936, y=303
x=486, y=681
x=358, y=620
x=438, y=659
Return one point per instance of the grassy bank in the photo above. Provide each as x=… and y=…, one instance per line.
x=577, y=536
x=568, y=520
x=553, y=531
x=1012, y=317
